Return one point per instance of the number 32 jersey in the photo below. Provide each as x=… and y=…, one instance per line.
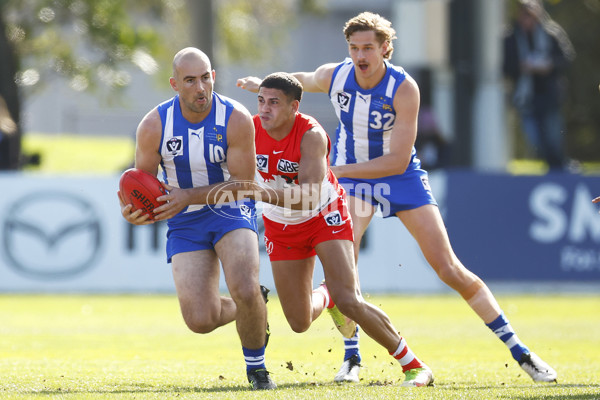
x=366, y=115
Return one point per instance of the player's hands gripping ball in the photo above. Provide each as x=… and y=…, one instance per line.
x=139, y=188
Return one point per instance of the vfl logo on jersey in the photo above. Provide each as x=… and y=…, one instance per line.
x=175, y=146
x=334, y=218
x=262, y=163
x=287, y=166
x=343, y=100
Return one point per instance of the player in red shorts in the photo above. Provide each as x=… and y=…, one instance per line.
x=306, y=215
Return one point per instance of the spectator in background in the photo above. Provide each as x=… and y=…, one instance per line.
x=431, y=145
x=537, y=51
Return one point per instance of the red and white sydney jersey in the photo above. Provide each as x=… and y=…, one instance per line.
x=277, y=163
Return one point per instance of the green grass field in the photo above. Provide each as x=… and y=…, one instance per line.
x=79, y=154
x=137, y=347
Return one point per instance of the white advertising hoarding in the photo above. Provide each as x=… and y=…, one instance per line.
x=66, y=234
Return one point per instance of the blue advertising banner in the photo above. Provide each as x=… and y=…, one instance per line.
x=525, y=228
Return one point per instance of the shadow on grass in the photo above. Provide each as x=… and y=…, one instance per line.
x=169, y=389
x=535, y=391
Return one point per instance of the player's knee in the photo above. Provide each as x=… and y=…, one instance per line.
x=299, y=325
x=349, y=305
x=452, y=273
x=245, y=295
x=201, y=323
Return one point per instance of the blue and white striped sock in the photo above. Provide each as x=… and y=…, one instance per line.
x=502, y=328
x=255, y=359
x=351, y=346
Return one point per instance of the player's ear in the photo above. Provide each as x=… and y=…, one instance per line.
x=385, y=47
x=295, y=105
x=173, y=83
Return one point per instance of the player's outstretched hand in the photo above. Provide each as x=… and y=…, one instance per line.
x=176, y=200
x=249, y=83
x=137, y=217
x=596, y=200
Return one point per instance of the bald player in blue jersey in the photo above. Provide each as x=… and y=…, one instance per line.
x=374, y=158
x=204, y=142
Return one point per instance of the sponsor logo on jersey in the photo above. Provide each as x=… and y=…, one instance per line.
x=287, y=166
x=175, y=146
x=262, y=163
x=196, y=132
x=343, y=100
x=364, y=97
x=334, y=218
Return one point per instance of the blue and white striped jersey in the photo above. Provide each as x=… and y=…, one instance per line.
x=366, y=115
x=195, y=155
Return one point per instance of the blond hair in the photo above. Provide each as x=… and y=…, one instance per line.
x=368, y=21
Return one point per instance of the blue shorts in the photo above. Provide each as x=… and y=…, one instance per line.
x=201, y=230
x=392, y=193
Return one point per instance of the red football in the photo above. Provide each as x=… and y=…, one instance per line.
x=141, y=189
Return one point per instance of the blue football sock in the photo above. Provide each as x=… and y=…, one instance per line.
x=502, y=328
x=255, y=359
x=351, y=346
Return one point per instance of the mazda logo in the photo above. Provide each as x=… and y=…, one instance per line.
x=51, y=235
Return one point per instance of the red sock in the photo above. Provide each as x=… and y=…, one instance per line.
x=406, y=357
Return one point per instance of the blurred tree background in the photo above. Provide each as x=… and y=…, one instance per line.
x=94, y=44
x=87, y=42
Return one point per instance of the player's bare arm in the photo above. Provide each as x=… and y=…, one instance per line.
x=596, y=200
x=249, y=83
x=402, y=140
x=311, y=172
x=317, y=81
x=147, y=158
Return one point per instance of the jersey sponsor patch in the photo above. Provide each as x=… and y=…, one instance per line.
x=287, y=166
x=262, y=163
x=334, y=218
x=196, y=132
x=343, y=100
x=174, y=146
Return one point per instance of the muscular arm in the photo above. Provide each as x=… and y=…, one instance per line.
x=402, y=140
x=311, y=172
x=316, y=81
x=147, y=158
